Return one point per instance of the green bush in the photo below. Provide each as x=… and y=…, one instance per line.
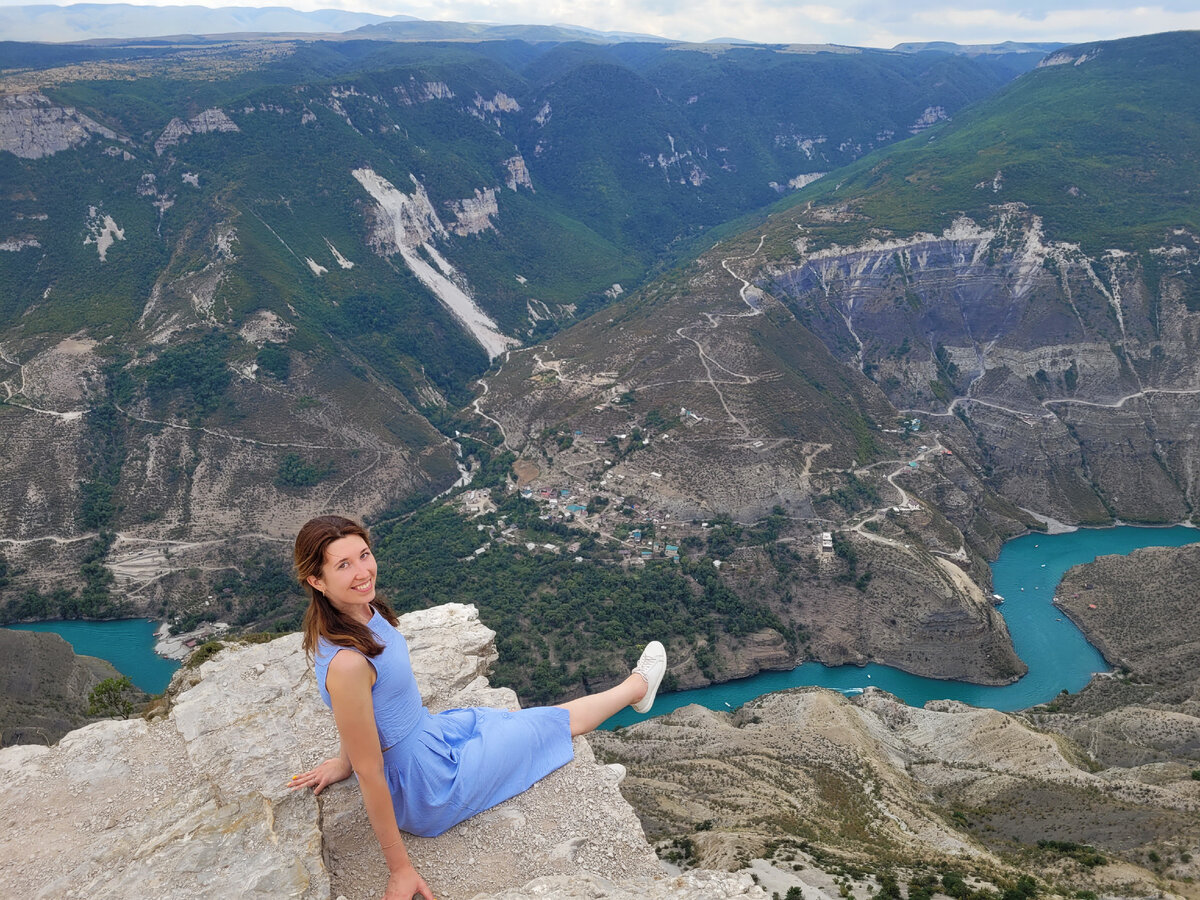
x=294, y=472
x=274, y=360
x=112, y=698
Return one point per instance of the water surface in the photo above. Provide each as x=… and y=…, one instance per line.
x=1026, y=574
x=126, y=643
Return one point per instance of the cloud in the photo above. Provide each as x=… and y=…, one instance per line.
x=856, y=22
x=867, y=23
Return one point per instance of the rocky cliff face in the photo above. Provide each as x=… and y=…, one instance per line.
x=1075, y=374
x=194, y=801
x=31, y=126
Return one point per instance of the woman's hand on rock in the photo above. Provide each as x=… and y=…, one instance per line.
x=405, y=884
x=329, y=772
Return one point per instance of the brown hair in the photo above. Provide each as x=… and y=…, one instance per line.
x=322, y=619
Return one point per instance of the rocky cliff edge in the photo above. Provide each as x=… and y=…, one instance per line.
x=195, y=803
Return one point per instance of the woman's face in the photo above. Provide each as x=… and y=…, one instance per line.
x=347, y=578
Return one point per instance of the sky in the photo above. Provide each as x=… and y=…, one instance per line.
x=864, y=23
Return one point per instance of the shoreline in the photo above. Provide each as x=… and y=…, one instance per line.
x=1053, y=526
x=176, y=646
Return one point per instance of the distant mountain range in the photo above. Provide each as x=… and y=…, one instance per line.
x=122, y=21
x=93, y=21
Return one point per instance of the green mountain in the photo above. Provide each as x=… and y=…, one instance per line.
x=1100, y=141
x=244, y=281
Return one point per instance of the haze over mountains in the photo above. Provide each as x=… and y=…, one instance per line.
x=108, y=21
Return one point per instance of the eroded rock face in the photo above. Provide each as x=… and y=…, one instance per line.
x=874, y=776
x=178, y=130
x=32, y=127
x=518, y=174
x=474, y=214
x=196, y=803
x=1074, y=372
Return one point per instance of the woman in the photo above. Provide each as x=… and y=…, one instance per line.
x=421, y=772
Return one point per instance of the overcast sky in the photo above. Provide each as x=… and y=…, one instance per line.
x=868, y=23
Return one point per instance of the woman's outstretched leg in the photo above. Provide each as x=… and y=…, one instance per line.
x=638, y=690
x=587, y=713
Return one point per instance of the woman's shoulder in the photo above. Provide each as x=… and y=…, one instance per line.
x=327, y=651
x=348, y=663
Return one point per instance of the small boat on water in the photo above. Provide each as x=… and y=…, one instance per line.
x=730, y=705
x=997, y=599
x=849, y=691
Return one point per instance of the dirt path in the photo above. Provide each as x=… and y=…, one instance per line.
x=236, y=438
x=749, y=295
x=479, y=412
x=905, y=503
x=747, y=287
x=1046, y=404
x=1119, y=403
x=11, y=391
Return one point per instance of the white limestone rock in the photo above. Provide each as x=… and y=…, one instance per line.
x=177, y=129
x=474, y=214
x=698, y=885
x=32, y=127
x=518, y=173
x=196, y=803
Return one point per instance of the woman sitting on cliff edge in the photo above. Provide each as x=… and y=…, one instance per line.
x=419, y=772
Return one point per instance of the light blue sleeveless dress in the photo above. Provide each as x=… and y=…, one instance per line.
x=444, y=768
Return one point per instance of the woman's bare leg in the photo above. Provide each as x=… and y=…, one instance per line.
x=588, y=712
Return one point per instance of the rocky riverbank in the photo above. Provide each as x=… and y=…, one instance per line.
x=1141, y=612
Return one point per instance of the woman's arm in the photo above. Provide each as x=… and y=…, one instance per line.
x=349, y=681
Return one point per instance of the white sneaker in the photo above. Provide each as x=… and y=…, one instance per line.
x=652, y=666
x=619, y=771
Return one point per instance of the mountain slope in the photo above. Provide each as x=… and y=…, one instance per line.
x=243, y=281
x=922, y=394
x=930, y=796
x=1099, y=141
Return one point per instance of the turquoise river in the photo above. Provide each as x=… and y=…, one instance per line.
x=1026, y=574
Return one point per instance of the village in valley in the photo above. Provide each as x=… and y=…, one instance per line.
x=591, y=484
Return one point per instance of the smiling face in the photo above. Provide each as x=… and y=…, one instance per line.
x=347, y=578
